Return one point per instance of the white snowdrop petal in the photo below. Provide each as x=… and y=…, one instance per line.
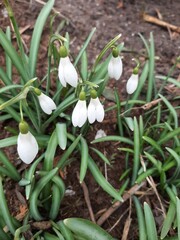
x=27, y=147
x=67, y=72
x=82, y=113
x=75, y=115
x=71, y=76
x=100, y=113
x=91, y=111
x=46, y=103
x=79, y=114
x=61, y=73
x=132, y=84
x=115, y=68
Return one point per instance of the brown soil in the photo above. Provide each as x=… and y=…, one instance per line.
x=110, y=18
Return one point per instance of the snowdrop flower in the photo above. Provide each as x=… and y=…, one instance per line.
x=95, y=108
x=46, y=103
x=132, y=83
x=79, y=115
x=27, y=146
x=66, y=71
x=115, y=66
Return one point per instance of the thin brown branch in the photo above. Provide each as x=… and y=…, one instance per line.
x=161, y=23
x=117, y=204
x=87, y=199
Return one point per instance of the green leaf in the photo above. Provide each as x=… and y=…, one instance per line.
x=150, y=223
x=61, y=131
x=36, y=37
x=86, y=229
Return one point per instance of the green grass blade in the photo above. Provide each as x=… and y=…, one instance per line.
x=101, y=155
x=36, y=37
x=5, y=210
x=171, y=109
x=136, y=159
x=11, y=52
x=9, y=166
x=84, y=46
x=150, y=223
x=151, y=79
x=8, y=60
x=141, y=220
x=178, y=216
x=154, y=144
x=170, y=135
x=100, y=179
x=84, y=159
x=84, y=66
x=168, y=220
x=113, y=138
x=50, y=152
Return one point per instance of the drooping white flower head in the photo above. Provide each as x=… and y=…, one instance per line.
x=115, y=66
x=46, y=103
x=132, y=84
x=27, y=146
x=79, y=114
x=95, y=108
x=66, y=71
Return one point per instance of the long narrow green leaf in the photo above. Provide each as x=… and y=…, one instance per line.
x=11, y=52
x=5, y=210
x=151, y=78
x=85, y=46
x=100, y=179
x=150, y=223
x=36, y=37
x=141, y=220
x=168, y=220
x=170, y=135
x=178, y=216
x=50, y=152
x=12, y=170
x=154, y=144
x=171, y=109
x=61, y=131
x=136, y=159
x=84, y=159
x=113, y=138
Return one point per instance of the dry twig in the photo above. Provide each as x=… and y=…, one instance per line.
x=117, y=204
x=161, y=23
x=87, y=199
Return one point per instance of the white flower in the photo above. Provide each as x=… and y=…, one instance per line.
x=79, y=115
x=115, y=68
x=46, y=103
x=132, y=84
x=27, y=147
x=95, y=110
x=67, y=72
x=100, y=133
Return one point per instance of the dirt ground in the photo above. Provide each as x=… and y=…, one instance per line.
x=110, y=18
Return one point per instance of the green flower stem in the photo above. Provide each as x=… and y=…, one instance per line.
x=20, y=96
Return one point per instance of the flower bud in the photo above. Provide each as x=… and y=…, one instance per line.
x=37, y=91
x=93, y=93
x=63, y=52
x=115, y=52
x=82, y=96
x=23, y=127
